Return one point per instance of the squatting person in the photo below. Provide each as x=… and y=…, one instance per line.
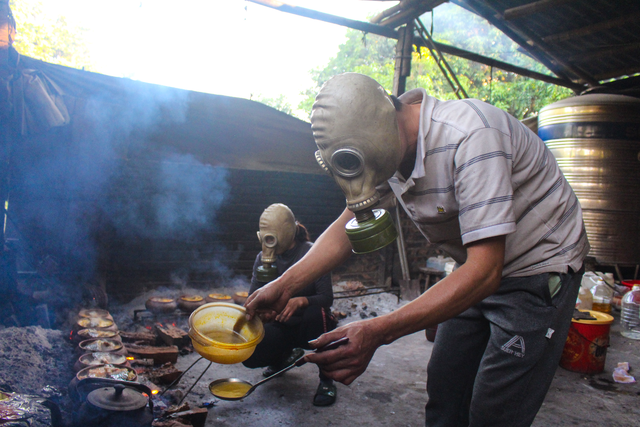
x=306, y=315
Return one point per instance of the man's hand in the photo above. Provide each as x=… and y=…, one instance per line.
x=267, y=315
x=291, y=307
x=349, y=361
x=270, y=297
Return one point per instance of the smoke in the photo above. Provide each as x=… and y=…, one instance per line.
x=105, y=178
x=176, y=197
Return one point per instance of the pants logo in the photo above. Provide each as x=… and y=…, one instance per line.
x=514, y=346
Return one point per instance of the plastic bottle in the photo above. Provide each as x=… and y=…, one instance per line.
x=585, y=299
x=630, y=314
x=602, y=295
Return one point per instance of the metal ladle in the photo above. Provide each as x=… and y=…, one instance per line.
x=236, y=389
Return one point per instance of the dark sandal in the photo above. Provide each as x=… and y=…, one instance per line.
x=325, y=394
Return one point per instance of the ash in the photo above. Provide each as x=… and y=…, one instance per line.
x=37, y=363
x=346, y=309
x=34, y=357
x=354, y=308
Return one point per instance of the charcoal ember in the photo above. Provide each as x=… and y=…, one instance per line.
x=173, y=396
x=164, y=374
x=178, y=408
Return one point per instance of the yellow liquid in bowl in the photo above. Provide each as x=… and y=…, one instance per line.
x=225, y=336
x=229, y=390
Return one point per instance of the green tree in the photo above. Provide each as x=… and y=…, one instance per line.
x=280, y=103
x=375, y=56
x=47, y=38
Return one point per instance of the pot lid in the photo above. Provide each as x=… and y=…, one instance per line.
x=117, y=398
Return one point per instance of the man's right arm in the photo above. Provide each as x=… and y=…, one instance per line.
x=330, y=250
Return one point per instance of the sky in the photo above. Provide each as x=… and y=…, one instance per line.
x=226, y=47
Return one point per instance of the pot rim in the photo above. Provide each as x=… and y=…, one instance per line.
x=135, y=378
x=83, y=344
x=86, y=355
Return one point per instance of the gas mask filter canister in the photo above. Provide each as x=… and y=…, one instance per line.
x=355, y=128
x=277, y=233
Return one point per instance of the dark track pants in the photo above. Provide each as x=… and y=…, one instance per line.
x=493, y=364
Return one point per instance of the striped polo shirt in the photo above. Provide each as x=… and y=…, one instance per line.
x=480, y=173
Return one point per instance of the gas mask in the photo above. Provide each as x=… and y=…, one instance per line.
x=277, y=233
x=355, y=128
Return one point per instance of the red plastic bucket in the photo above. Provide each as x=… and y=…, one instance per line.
x=585, y=350
x=630, y=283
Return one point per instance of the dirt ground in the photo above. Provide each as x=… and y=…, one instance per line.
x=392, y=390
x=390, y=393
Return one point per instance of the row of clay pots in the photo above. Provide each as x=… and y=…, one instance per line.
x=100, y=345
x=188, y=303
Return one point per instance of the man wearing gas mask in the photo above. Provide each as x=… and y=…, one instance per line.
x=307, y=314
x=482, y=186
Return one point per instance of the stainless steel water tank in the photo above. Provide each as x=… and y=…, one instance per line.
x=596, y=141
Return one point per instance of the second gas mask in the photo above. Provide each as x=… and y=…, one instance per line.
x=355, y=128
x=277, y=233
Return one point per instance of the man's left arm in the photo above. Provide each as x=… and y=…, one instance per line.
x=475, y=280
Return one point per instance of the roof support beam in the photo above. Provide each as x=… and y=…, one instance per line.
x=326, y=17
x=404, y=12
x=531, y=8
x=585, y=31
x=605, y=51
x=465, y=54
x=393, y=34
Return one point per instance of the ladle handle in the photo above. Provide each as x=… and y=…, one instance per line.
x=331, y=346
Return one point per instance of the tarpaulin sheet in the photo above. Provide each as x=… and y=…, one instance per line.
x=216, y=130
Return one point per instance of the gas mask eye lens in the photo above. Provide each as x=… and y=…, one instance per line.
x=347, y=162
x=270, y=241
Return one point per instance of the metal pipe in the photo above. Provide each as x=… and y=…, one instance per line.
x=195, y=382
x=180, y=376
x=402, y=254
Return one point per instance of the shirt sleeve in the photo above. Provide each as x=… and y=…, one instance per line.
x=319, y=292
x=323, y=292
x=255, y=285
x=483, y=185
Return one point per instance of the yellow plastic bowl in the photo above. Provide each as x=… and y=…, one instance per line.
x=220, y=318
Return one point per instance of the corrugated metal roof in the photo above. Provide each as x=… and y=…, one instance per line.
x=586, y=41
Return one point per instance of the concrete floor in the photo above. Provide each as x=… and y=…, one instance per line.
x=392, y=392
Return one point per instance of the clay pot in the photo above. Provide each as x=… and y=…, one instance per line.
x=100, y=358
x=98, y=323
x=122, y=373
x=103, y=345
x=161, y=305
x=90, y=333
x=218, y=298
x=240, y=297
x=188, y=303
x=94, y=312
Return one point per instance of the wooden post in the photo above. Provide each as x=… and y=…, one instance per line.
x=7, y=35
x=404, y=48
